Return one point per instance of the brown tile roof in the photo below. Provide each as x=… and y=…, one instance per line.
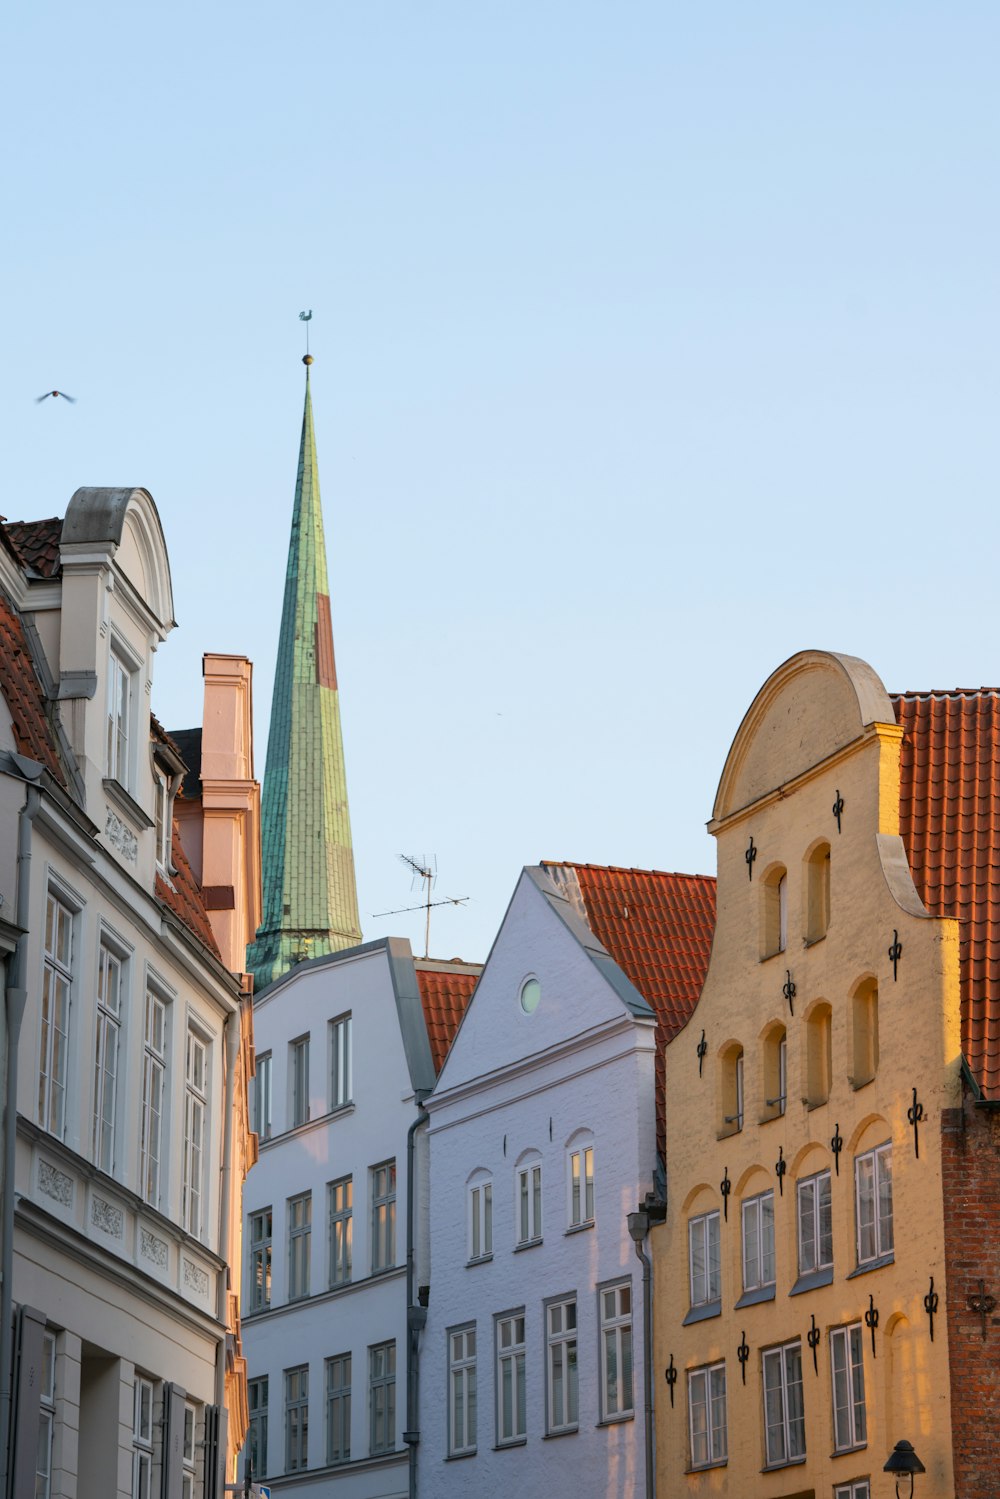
x=950, y=824
x=24, y=695
x=658, y=928
x=445, y=991
x=36, y=543
x=183, y=896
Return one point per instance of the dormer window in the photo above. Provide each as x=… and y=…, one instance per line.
x=119, y=718
x=161, y=793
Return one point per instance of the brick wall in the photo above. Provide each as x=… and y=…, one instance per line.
x=971, y=1181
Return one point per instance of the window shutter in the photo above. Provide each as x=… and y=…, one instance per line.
x=27, y=1393
x=173, y=1442
x=216, y=1446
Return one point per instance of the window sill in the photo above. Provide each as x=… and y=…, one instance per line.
x=480, y=1259
x=754, y=1297
x=720, y=1462
x=789, y=1462
x=779, y=952
x=814, y=941
x=876, y=1264
x=767, y=1119
x=116, y=791
x=864, y=1082
x=460, y=1457
x=849, y=1451
x=564, y=1431
x=528, y=1244
x=514, y=1442
x=813, y=1281
x=702, y=1313
x=728, y=1130
x=579, y=1228
x=616, y=1420
x=820, y=1104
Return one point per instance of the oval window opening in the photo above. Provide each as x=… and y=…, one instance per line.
x=531, y=993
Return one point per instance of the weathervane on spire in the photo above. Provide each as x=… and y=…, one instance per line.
x=306, y=318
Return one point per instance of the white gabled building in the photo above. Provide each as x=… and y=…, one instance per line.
x=543, y=1141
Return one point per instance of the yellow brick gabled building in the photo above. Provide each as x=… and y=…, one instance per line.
x=793, y=1272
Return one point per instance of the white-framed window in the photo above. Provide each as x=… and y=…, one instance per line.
x=119, y=718
x=188, y=1453
x=195, y=1133
x=262, y=1096
x=341, y=1084
x=581, y=1185
x=873, y=1203
x=850, y=1427
x=299, y=1245
x=154, y=1068
x=107, y=1045
x=297, y=1419
x=858, y=1488
x=758, y=1242
x=382, y=1397
x=512, y=1416
x=257, y=1430
x=461, y=1391
x=529, y=1203
x=815, y=1215
x=298, y=1066
x=260, y=1259
x=480, y=1219
x=142, y=1438
x=57, y=985
x=338, y=1408
x=704, y=1259
x=562, y=1398
x=784, y=1414
x=340, y=1202
x=615, y=1304
x=383, y=1189
x=707, y=1422
x=46, y=1418
x=163, y=819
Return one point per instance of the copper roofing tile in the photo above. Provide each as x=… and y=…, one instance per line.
x=444, y=993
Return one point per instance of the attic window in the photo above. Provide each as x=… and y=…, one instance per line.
x=531, y=993
x=119, y=717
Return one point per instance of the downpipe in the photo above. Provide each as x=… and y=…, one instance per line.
x=233, y=1036
x=416, y=1315
x=638, y=1227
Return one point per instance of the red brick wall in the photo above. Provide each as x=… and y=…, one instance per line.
x=971, y=1172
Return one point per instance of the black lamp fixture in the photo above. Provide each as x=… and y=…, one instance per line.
x=903, y=1463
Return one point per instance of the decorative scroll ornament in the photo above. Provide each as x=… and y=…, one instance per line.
x=915, y=1114
x=871, y=1320
x=837, y=1145
x=780, y=1167
x=895, y=953
x=982, y=1304
x=931, y=1305
x=701, y=1049
x=670, y=1375
x=725, y=1187
x=743, y=1353
x=788, y=990
x=812, y=1338
x=838, y=808
x=750, y=855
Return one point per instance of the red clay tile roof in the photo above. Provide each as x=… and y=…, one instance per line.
x=950, y=825
x=183, y=896
x=445, y=993
x=658, y=928
x=23, y=693
x=37, y=544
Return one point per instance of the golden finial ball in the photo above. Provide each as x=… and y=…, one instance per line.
x=307, y=359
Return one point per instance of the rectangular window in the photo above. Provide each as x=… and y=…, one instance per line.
x=704, y=1259
x=188, y=1461
x=616, y=1351
x=462, y=1392
x=481, y=1221
x=707, y=1416
x=46, y=1418
x=815, y=1223
x=340, y=1062
x=782, y=1074
x=529, y=1203
x=154, y=1066
x=383, y=1185
x=382, y=1397
x=341, y=1221
x=260, y=1260
x=257, y=1430
x=512, y=1423
x=119, y=708
x=161, y=795
x=142, y=1438
x=195, y=1112
x=581, y=1172
x=338, y=1409
x=562, y=1392
x=109, y=1006
x=758, y=1242
x=859, y=1489
x=873, y=1194
x=784, y=1416
x=57, y=979
x=298, y=1056
x=299, y=1244
x=262, y=1096
x=850, y=1428
x=738, y=1121
x=296, y=1419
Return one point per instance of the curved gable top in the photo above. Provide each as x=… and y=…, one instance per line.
x=128, y=520
x=813, y=705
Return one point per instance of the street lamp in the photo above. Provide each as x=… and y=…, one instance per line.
x=903, y=1463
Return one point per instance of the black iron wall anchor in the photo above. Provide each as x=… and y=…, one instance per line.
x=670, y=1375
x=725, y=1187
x=743, y=1353
x=837, y=1145
x=788, y=990
x=701, y=1048
x=871, y=1320
x=750, y=855
x=780, y=1167
x=895, y=953
x=931, y=1305
x=982, y=1304
x=915, y=1114
x=838, y=808
x=812, y=1338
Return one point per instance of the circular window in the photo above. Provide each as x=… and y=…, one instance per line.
x=531, y=993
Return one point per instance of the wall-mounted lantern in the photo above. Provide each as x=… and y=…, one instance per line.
x=903, y=1463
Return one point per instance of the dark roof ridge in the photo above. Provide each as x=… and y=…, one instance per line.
x=672, y=874
x=929, y=692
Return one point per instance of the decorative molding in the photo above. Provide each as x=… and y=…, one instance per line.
x=195, y=1278
x=152, y=1248
x=55, y=1184
x=107, y=1217
x=121, y=837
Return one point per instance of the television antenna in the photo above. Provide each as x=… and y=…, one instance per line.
x=423, y=872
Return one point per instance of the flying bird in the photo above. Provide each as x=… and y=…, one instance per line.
x=71, y=399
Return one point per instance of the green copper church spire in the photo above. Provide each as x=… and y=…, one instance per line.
x=310, y=899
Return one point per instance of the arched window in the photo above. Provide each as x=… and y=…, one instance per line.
x=580, y=1179
x=732, y=1090
x=819, y=1054
x=775, y=912
x=480, y=1215
x=864, y=1008
x=817, y=893
x=528, y=1198
x=775, y=1072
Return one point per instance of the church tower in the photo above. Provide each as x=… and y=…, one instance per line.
x=310, y=899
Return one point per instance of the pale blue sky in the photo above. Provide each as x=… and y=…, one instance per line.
x=654, y=343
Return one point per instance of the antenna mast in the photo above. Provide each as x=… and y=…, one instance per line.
x=422, y=871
